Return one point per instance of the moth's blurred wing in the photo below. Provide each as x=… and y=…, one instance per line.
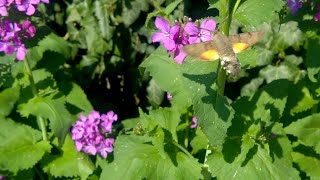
x=203, y=50
x=242, y=41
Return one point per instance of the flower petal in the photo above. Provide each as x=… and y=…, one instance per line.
x=179, y=55
x=158, y=37
x=191, y=29
x=169, y=44
x=208, y=24
x=194, y=39
x=174, y=32
x=205, y=35
x=162, y=24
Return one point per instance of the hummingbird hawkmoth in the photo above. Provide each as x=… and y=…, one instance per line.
x=225, y=48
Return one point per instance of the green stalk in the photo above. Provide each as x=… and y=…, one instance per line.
x=225, y=16
x=35, y=94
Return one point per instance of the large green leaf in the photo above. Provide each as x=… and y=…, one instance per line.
x=308, y=164
x=70, y=164
x=305, y=102
x=256, y=12
x=193, y=81
x=8, y=98
x=307, y=130
x=271, y=161
x=134, y=158
x=288, y=35
x=52, y=109
x=167, y=74
x=75, y=96
x=131, y=10
x=167, y=118
x=20, y=146
x=102, y=12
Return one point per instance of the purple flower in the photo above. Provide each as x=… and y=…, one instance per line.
x=30, y=30
x=89, y=134
x=169, y=96
x=294, y=5
x=194, y=119
x=316, y=17
x=106, y=147
x=3, y=8
x=6, y=47
x=203, y=33
x=179, y=56
x=29, y=6
x=167, y=35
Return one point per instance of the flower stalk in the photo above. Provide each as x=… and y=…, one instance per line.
x=35, y=94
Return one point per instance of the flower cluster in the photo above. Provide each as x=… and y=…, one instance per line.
x=89, y=133
x=11, y=34
x=294, y=5
x=175, y=37
x=27, y=6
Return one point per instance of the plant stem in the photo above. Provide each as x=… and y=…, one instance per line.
x=35, y=94
x=226, y=16
x=236, y=7
x=32, y=84
x=182, y=149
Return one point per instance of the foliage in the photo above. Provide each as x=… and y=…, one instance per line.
x=98, y=55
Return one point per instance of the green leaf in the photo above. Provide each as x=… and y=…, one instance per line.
x=56, y=44
x=256, y=12
x=52, y=109
x=155, y=94
x=70, y=164
x=308, y=164
x=8, y=98
x=199, y=142
x=289, y=35
x=251, y=87
x=102, y=12
x=167, y=74
x=285, y=70
x=305, y=102
x=248, y=58
x=307, y=130
x=20, y=146
x=256, y=161
x=171, y=7
x=312, y=60
x=131, y=10
x=76, y=97
x=193, y=81
x=167, y=118
x=136, y=159
x=272, y=97
x=150, y=15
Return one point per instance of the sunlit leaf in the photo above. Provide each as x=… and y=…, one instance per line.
x=20, y=146
x=307, y=130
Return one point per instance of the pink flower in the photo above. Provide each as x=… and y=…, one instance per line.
x=169, y=96
x=194, y=119
x=316, y=17
x=168, y=35
x=89, y=134
x=202, y=33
